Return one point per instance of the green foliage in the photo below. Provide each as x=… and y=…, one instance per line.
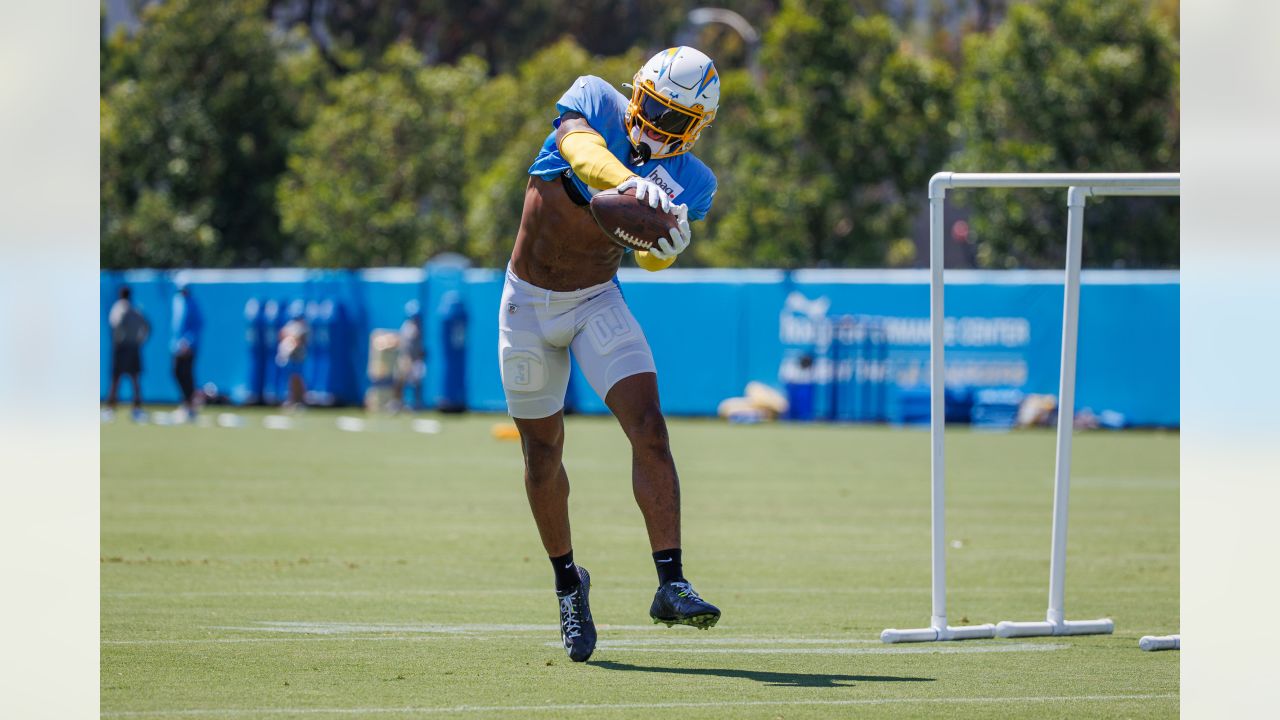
x=353, y=134
x=818, y=164
x=1071, y=85
x=194, y=127
x=117, y=59
x=504, y=33
x=167, y=236
x=377, y=178
x=306, y=76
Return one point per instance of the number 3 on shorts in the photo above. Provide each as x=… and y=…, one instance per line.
x=523, y=370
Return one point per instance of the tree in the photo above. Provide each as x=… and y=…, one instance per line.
x=819, y=164
x=377, y=178
x=194, y=127
x=504, y=34
x=1071, y=85
x=408, y=125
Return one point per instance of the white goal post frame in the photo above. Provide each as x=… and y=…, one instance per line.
x=1080, y=186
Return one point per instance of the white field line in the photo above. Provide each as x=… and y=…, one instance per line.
x=407, y=638
x=702, y=639
x=888, y=650
x=339, y=628
x=323, y=593
x=922, y=589
x=306, y=631
x=296, y=639
x=366, y=632
x=547, y=629
x=655, y=642
x=458, y=709
x=278, y=422
x=350, y=424
x=674, y=645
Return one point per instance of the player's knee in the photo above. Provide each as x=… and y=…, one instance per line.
x=542, y=454
x=648, y=432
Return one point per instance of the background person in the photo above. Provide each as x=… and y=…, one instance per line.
x=129, y=331
x=291, y=352
x=411, y=359
x=187, y=323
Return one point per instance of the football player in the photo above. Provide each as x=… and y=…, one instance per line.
x=561, y=295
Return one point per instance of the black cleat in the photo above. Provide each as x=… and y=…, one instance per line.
x=577, y=629
x=678, y=603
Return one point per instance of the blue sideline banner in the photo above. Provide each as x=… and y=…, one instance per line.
x=713, y=331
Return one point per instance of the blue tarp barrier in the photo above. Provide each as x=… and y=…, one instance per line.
x=712, y=331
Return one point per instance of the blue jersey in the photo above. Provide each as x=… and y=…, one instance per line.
x=187, y=322
x=685, y=178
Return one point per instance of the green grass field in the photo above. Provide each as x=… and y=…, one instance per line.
x=254, y=573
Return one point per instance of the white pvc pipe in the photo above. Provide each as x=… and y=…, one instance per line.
x=1151, y=643
x=1127, y=191
x=943, y=181
x=892, y=635
x=937, y=408
x=1007, y=629
x=1035, y=628
x=938, y=629
x=1066, y=404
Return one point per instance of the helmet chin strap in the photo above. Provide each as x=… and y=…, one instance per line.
x=640, y=155
x=642, y=151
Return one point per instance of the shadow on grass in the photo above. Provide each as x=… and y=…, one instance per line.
x=776, y=679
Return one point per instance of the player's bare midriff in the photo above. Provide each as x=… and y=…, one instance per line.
x=559, y=246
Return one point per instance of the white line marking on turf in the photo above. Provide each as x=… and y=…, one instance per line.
x=702, y=640
x=292, y=630
x=425, y=425
x=350, y=424
x=897, y=650
x=297, y=639
x=324, y=593
x=277, y=422
x=481, y=592
x=549, y=629
x=338, y=638
x=311, y=631
x=999, y=700
x=339, y=628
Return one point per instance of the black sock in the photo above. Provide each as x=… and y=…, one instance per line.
x=668, y=564
x=566, y=573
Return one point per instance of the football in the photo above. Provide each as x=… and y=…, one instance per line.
x=628, y=221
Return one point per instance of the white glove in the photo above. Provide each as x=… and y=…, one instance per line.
x=669, y=247
x=647, y=192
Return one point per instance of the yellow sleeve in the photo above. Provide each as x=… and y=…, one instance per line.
x=651, y=263
x=591, y=160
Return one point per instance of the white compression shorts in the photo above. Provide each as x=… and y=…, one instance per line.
x=536, y=330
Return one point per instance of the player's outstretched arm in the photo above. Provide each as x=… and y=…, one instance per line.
x=588, y=154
